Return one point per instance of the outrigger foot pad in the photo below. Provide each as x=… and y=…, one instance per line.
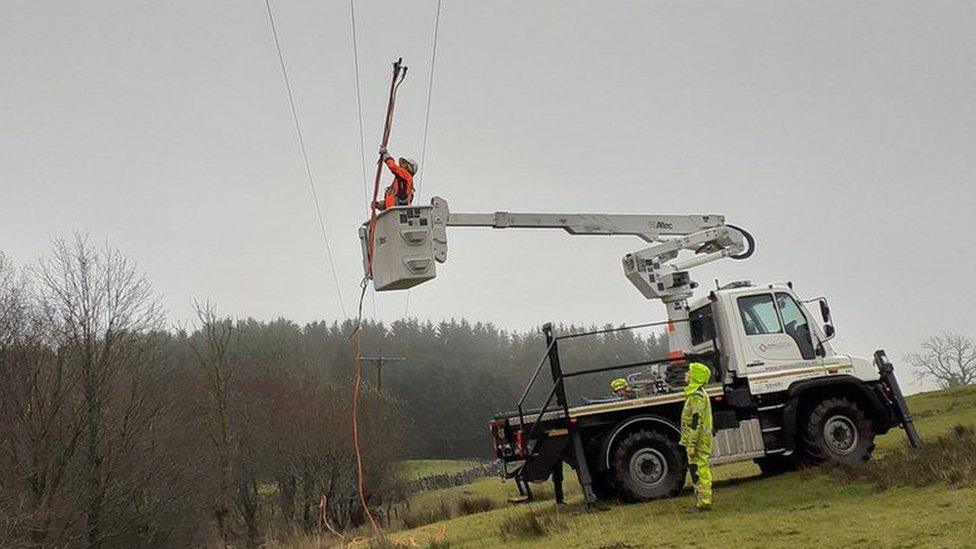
x=525, y=492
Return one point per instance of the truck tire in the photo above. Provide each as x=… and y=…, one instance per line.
x=647, y=465
x=837, y=430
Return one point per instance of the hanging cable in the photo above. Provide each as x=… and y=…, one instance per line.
x=360, y=474
x=423, y=146
x=430, y=87
x=359, y=108
x=359, y=102
x=399, y=73
x=308, y=169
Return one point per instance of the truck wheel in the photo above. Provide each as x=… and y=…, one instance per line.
x=838, y=431
x=648, y=465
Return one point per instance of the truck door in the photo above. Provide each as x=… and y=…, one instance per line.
x=796, y=324
x=767, y=344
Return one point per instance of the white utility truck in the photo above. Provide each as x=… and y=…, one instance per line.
x=781, y=395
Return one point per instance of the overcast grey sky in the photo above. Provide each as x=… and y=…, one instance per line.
x=842, y=134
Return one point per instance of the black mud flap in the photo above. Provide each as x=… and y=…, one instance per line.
x=538, y=466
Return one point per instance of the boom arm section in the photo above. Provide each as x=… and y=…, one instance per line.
x=656, y=271
x=410, y=239
x=647, y=227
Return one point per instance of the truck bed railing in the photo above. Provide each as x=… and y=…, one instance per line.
x=558, y=390
x=531, y=382
x=538, y=420
x=550, y=455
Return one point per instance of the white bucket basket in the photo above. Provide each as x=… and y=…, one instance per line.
x=404, y=247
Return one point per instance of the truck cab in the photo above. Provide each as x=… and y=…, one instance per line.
x=766, y=334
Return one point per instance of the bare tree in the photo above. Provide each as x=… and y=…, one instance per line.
x=948, y=359
x=102, y=314
x=39, y=430
x=212, y=348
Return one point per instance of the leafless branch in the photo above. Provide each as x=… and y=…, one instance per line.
x=948, y=359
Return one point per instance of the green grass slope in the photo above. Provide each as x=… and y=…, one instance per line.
x=806, y=508
x=421, y=468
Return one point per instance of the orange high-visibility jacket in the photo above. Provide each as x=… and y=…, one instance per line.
x=400, y=191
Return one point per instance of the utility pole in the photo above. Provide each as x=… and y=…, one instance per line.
x=379, y=361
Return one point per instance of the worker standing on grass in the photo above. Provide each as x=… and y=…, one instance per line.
x=400, y=191
x=696, y=432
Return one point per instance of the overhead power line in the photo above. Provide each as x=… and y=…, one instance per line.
x=359, y=102
x=423, y=146
x=308, y=169
x=359, y=108
x=430, y=87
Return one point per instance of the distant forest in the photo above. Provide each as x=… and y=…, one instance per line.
x=116, y=429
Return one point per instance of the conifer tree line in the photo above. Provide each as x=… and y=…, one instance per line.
x=117, y=429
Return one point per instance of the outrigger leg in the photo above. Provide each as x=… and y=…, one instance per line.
x=582, y=468
x=557, y=482
x=525, y=492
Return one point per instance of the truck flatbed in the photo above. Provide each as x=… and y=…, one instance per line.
x=625, y=404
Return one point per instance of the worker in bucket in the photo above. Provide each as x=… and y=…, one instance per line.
x=696, y=432
x=400, y=191
x=621, y=388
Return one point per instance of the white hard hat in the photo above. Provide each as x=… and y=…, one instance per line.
x=411, y=165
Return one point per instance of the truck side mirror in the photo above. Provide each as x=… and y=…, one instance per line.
x=825, y=311
x=829, y=330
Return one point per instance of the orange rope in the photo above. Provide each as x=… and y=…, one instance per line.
x=399, y=73
x=324, y=507
x=398, y=77
x=355, y=434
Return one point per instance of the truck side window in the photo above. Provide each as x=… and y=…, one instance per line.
x=759, y=315
x=701, y=324
x=796, y=324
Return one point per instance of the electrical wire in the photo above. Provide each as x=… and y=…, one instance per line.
x=308, y=169
x=430, y=87
x=399, y=73
x=423, y=146
x=325, y=235
x=359, y=108
x=355, y=425
x=359, y=104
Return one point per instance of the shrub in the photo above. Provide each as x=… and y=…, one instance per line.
x=447, y=509
x=383, y=542
x=428, y=515
x=532, y=524
x=950, y=459
x=470, y=505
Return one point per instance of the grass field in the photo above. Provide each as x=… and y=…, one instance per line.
x=420, y=468
x=806, y=508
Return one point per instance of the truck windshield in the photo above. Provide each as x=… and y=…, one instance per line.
x=759, y=315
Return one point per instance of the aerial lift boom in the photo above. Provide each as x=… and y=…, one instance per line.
x=656, y=271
